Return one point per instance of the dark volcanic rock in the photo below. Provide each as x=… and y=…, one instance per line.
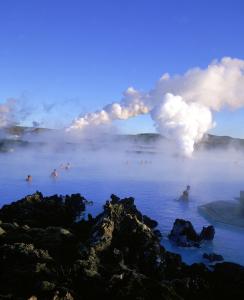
x=184, y=234
x=227, y=281
x=150, y=222
x=116, y=255
x=36, y=210
x=212, y=257
x=207, y=233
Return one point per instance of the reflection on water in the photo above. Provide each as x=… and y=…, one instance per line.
x=156, y=184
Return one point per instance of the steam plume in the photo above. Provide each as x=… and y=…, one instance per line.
x=7, y=112
x=131, y=105
x=220, y=84
x=181, y=106
x=184, y=122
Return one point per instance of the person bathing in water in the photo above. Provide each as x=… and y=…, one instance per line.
x=185, y=194
x=67, y=167
x=28, y=178
x=54, y=173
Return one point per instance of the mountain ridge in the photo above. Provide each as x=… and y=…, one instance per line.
x=15, y=136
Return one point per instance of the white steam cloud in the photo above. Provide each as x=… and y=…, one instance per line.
x=220, y=84
x=131, y=105
x=186, y=123
x=7, y=112
x=181, y=106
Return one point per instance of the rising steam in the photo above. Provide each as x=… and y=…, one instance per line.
x=184, y=122
x=7, y=113
x=220, y=84
x=131, y=105
x=181, y=106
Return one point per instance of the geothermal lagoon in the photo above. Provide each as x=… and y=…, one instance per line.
x=156, y=181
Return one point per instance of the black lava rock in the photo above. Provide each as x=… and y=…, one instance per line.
x=116, y=255
x=207, y=233
x=184, y=234
x=212, y=257
x=149, y=222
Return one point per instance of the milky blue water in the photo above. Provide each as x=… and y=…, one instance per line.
x=155, y=181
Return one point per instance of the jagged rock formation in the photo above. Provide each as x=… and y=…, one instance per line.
x=213, y=257
x=113, y=256
x=184, y=234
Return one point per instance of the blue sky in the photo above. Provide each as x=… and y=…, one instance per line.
x=76, y=56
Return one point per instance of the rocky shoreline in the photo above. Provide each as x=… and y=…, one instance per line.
x=46, y=254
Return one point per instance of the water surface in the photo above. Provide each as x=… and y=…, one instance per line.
x=155, y=181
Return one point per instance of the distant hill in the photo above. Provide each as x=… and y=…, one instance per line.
x=215, y=141
x=210, y=141
x=16, y=136
x=21, y=130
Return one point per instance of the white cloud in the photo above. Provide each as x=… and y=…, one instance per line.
x=186, y=113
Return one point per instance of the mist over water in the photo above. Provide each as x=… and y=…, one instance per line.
x=154, y=175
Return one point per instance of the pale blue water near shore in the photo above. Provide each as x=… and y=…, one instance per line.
x=155, y=183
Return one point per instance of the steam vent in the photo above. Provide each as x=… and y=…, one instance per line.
x=226, y=212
